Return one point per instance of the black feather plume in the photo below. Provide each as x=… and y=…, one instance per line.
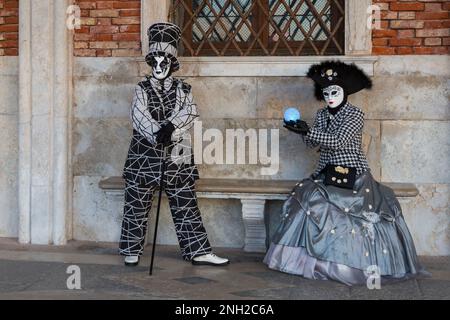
x=351, y=78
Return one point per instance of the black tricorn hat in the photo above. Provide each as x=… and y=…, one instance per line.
x=164, y=39
x=348, y=76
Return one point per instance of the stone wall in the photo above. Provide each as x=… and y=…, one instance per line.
x=407, y=116
x=9, y=213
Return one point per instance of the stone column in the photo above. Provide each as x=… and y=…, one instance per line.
x=255, y=228
x=44, y=127
x=358, y=37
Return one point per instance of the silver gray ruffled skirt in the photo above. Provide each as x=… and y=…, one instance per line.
x=344, y=235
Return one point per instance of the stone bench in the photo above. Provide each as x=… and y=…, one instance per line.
x=253, y=195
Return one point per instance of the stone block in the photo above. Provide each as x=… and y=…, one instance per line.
x=415, y=151
x=9, y=215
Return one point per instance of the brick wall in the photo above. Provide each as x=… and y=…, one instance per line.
x=112, y=28
x=109, y=28
x=412, y=27
x=9, y=27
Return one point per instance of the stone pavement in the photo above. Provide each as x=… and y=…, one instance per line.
x=39, y=272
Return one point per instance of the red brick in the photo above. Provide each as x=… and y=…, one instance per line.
x=380, y=42
x=9, y=44
x=406, y=15
x=127, y=20
x=11, y=51
x=434, y=24
x=104, y=13
x=431, y=15
x=9, y=12
x=130, y=45
x=83, y=36
x=127, y=37
x=130, y=28
x=389, y=15
x=407, y=6
x=84, y=52
x=104, y=45
x=433, y=7
x=103, y=53
x=116, y=31
x=127, y=4
x=433, y=41
x=11, y=20
x=405, y=42
x=405, y=50
x=384, y=33
x=104, y=29
x=105, y=4
x=103, y=21
x=406, y=33
x=86, y=5
x=431, y=50
x=406, y=24
x=8, y=28
x=433, y=33
x=11, y=4
x=126, y=53
x=103, y=37
x=383, y=50
x=130, y=13
x=10, y=36
x=81, y=45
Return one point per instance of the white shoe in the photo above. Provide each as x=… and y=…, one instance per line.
x=131, y=261
x=210, y=259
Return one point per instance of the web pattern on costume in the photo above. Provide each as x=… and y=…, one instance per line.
x=154, y=104
x=189, y=228
x=340, y=139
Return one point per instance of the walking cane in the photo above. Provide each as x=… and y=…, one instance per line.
x=161, y=187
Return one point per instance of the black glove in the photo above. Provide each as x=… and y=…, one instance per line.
x=164, y=135
x=299, y=127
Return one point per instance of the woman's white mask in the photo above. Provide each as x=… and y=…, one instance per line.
x=333, y=95
x=161, y=67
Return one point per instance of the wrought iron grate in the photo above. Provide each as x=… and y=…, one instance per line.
x=260, y=27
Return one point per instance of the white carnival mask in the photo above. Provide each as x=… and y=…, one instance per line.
x=333, y=95
x=161, y=67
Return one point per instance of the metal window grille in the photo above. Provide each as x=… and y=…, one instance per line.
x=260, y=27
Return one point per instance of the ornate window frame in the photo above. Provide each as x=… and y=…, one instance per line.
x=358, y=47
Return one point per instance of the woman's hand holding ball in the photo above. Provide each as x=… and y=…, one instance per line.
x=293, y=122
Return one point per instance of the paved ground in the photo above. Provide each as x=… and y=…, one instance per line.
x=39, y=272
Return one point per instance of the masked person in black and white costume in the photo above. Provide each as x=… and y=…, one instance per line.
x=162, y=111
x=340, y=223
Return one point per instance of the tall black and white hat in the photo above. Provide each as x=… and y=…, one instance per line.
x=348, y=76
x=164, y=39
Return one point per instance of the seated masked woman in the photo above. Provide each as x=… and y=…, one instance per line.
x=341, y=224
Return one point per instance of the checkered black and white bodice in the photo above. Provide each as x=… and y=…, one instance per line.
x=339, y=138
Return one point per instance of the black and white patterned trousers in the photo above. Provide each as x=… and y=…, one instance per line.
x=189, y=228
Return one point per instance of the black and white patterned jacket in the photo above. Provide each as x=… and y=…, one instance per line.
x=153, y=106
x=339, y=138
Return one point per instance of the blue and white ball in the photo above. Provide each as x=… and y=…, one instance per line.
x=291, y=114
